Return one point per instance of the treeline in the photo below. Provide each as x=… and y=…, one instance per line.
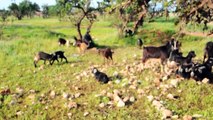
x=127, y=15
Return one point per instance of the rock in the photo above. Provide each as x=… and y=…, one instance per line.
x=77, y=95
x=157, y=82
x=170, y=96
x=101, y=105
x=110, y=95
x=116, y=92
x=116, y=98
x=132, y=99
x=19, y=113
x=187, y=117
x=150, y=98
x=117, y=81
x=120, y=103
x=115, y=74
x=65, y=95
x=140, y=91
x=165, y=78
x=103, y=92
x=205, y=80
x=72, y=105
x=157, y=104
x=69, y=115
x=133, y=87
x=20, y=91
x=166, y=113
x=174, y=82
x=13, y=102
x=52, y=94
x=196, y=116
x=126, y=99
x=32, y=91
x=175, y=117
x=86, y=114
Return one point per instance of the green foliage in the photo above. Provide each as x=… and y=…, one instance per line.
x=25, y=8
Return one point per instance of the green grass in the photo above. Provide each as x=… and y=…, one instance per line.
x=22, y=39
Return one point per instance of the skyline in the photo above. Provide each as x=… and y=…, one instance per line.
x=5, y=3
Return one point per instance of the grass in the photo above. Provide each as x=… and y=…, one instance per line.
x=22, y=39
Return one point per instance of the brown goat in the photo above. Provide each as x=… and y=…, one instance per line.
x=106, y=53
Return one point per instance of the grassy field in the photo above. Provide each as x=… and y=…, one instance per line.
x=38, y=93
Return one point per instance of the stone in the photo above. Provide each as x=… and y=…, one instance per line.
x=77, y=95
x=52, y=94
x=120, y=103
x=116, y=98
x=166, y=113
x=170, y=96
x=205, y=80
x=140, y=91
x=101, y=105
x=126, y=99
x=116, y=92
x=157, y=104
x=65, y=95
x=86, y=114
x=150, y=98
x=132, y=99
x=72, y=105
x=187, y=117
x=174, y=82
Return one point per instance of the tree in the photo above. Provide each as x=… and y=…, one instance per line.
x=4, y=14
x=25, y=8
x=76, y=11
x=196, y=11
x=45, y=11
x=130, y=11
x=14, y=8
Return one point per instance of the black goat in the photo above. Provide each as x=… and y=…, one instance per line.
x=100, y=76
x=184, y=60
x=174, y=54
x=59, y=54
x=184, y=71
x=62, y=41
x=161, y=52
x=201, y=71
x=43, y=56
x=208, y=51
x=128, y=32
x=140, y=43
x=88, y=40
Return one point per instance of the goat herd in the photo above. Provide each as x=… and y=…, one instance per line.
x=168, y=54
x=185, y=67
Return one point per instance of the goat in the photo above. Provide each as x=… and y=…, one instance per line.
x=128, y=32
x=161, y=52
x=100, y=76
x=208, y=51
x=62, y=41
x=140, y=43
x=59, y=54
x=88, y=40
x=77, y=42
x=185, y=71
x=43, y=56
x=184, y=60
x=106, y=53
x=201, y=71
